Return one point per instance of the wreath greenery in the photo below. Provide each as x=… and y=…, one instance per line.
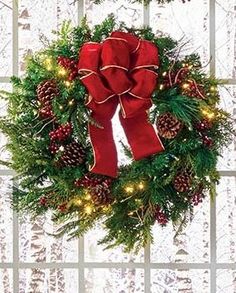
x=48, y=138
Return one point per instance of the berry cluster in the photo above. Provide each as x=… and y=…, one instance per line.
x=160, y=216
x=53, y=148
x=69, y=64
x=62, y=207
x=202, y=127
x=207, y=141
x=43, y=201
x=61, y=133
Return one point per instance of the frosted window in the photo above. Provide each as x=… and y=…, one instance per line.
x=202, y=258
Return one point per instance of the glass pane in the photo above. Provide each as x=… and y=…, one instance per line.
x=37, y=19
x=6, y=283
x=3, y=103
x=225, y=38
x=175, y=281
x=189, y=24
x=226, y=220
x=48, y=280
x=6, y=220
x=124, y=10
x=6, y=38
x=4, y=154
x=114, y=280
x=228, y=102
x=226, y=281
x=96, y=253
x=191, y=245
x=37, y=246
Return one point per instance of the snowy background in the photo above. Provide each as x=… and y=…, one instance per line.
x=202, y=259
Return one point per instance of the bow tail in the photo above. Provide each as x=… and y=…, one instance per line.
x=141, y=136
x=101, y=137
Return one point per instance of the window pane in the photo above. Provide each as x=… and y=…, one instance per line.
x=187, y=281
x=4, y=154
x=225, y=38
x=6, y=284
x=39, y=18
x=48, y=280
x=6, y=38
x=192, y=245
x=124, y=10
x=226, y=281
x=228, y=102
x=6, y=218
x=226, y=220
x=189, y=22
x=37, y=246
x=114, y=280
x=96, y=253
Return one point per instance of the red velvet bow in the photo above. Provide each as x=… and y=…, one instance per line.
x=120, y=71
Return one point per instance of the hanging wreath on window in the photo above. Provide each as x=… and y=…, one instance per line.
x=61, y=137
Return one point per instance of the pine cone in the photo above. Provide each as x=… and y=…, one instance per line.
x=182, y=181
x=46, y=91
x=72, y=155
x=160, y=216
x=168, y=126
x=101, y=195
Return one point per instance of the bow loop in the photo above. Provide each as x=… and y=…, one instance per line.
x=115, y=58
x=88, y=66
x=146, y=56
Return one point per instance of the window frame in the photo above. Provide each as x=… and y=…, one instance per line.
x=147, y=265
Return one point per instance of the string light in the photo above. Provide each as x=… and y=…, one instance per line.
x=129, y=189
x=71, y=103
x=130, y=213
x=61, y=107
x=77, y=202
x=164, y=73
x=87, y=196
x=88, y=209
x=61, y=148
x=213, y=88
x=209, y=114
x=62, y=72
x=185, y=86
x=67, y=83
x=138, y=201
x=48, y=60
x=141, y=185
x=161, y=87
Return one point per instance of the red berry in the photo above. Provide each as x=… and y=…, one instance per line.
x=43, y=201
x=62, y=207
x=207, y=141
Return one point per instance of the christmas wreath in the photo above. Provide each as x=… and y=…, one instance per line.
x=61, y=141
